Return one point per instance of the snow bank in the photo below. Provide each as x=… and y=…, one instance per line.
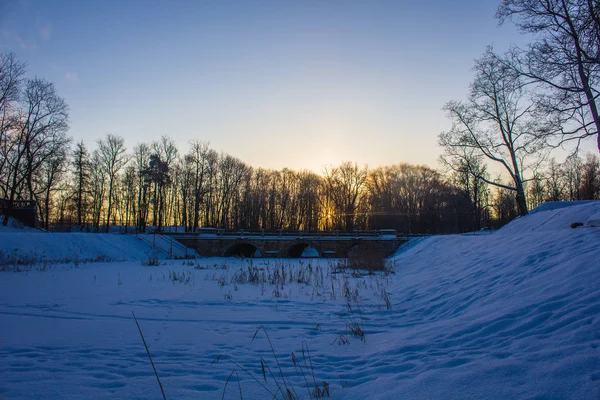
x=14, y=226
x=515, y=314
x=555, y=216
x=66, y=247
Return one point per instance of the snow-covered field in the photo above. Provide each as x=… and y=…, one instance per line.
x=513, y=314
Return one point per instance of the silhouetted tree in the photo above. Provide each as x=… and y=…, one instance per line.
x=496, y=122
x=38, y=134
x=467, y=170
x=554, y=182
x=505, y=206
x=11, y=79
x=98, y=187
x=573, y=177
x=129, y=192
x=564, y=60
x=157, y=175
x=112, y=159
x=81, y=171
x=590, y=179
x=47, y=180
x=345, y=185
x=141, y=158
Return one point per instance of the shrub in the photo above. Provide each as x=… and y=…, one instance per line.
x=152, y=260
x=367, y=260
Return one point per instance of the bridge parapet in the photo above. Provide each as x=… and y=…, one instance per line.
x=289, y=245
x=207, y=232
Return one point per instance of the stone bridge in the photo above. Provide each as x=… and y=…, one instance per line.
x=292, y=245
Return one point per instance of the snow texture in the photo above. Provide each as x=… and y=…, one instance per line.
x=512, y=314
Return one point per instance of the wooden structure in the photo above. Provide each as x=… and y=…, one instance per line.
x=25, y=211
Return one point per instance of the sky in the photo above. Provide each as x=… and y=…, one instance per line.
x=297, y=84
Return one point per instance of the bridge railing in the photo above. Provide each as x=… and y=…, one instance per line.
x=168, y=245
x=18, y=204
x=212, y=232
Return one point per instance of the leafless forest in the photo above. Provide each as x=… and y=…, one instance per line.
x=522, y=106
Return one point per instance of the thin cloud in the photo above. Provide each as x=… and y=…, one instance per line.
x=46, y=32
x=72, y=77
x=25, y=45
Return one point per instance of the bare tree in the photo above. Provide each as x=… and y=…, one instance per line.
x=128, y=189
x=573, y=175
x=11, y=78
x=39, y=134
x=98, y=187
x=536, y=191
x=308, y=197
x=141, y=158
x=416, y=199
x=564, y=60
x=47, y=181
x=231, y=172
x=590, y=185
x=496, y=122
x=112, y=158
x=554, y=182
x=466, y=172
x=159, y=173
x=346, y=184
x=81, y=170
x=200, y=157
x=157, y=177
x=211, y=206
x=505, y=206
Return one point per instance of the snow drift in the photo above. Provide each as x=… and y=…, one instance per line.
x=515, y=314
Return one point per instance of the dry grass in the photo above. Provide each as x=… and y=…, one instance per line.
x=274, y=381
x=17, y=262
x=365, y=260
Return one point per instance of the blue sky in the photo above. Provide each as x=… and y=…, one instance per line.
x=296, y=84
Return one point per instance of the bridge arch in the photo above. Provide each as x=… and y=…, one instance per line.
x=242, y=249
x=302, y=249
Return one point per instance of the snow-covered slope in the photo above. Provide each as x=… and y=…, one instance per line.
x=513, y=314
x=555, y=216
x=31, y=245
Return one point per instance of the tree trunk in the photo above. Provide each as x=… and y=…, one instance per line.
x=521, y=199
x=110, y=189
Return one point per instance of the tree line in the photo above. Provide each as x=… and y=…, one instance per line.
x=521, y=105
x=154, y=184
